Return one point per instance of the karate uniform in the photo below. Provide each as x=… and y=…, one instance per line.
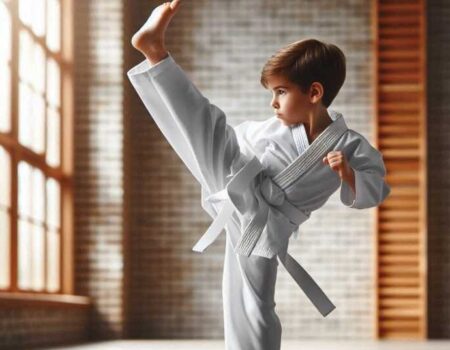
x=259, y=181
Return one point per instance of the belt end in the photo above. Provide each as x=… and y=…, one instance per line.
x=327, y=312
x=197, y=248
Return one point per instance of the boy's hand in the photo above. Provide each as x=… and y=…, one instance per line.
x=150, y=38
x=338, y=162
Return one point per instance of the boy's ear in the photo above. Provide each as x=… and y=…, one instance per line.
x=315, y=92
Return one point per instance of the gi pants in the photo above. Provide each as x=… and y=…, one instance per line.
x=248, y=288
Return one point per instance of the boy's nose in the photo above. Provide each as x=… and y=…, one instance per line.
x=274, y=104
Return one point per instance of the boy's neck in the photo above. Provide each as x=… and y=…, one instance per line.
x=317, y=124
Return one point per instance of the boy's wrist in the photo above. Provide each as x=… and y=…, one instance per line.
x=349, y=177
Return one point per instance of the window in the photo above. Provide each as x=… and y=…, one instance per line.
x=35, y=169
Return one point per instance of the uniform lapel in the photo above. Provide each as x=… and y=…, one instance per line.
x=300, y=138
x=313, y=152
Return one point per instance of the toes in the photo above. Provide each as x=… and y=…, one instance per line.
x=174, y=4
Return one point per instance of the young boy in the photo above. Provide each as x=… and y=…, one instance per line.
x=262, y=179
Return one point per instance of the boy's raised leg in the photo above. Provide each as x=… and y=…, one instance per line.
x=150, y=38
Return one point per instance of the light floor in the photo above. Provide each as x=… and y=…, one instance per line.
x=286, y=345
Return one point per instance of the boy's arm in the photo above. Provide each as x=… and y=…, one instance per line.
x=369, y=172
x=195, y=128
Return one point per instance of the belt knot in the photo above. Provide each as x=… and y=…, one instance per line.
x=271, y=192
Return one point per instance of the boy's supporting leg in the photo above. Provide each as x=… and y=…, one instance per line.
x=250, y=320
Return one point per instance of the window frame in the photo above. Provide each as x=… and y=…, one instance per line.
x=17, y=152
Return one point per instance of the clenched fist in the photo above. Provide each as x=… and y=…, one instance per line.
x=337, y=161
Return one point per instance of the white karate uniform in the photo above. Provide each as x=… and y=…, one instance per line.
x=259, y=180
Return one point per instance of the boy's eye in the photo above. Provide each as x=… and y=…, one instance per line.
x=280, y=92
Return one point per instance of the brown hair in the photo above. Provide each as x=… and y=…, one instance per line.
x=306, y=61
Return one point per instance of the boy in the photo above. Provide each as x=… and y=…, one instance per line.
x=261, y=180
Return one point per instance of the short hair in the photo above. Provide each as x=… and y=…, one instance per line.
x=306, y=61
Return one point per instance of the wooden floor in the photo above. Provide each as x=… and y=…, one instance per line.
x=286, y=345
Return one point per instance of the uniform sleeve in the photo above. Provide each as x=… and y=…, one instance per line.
x=196, y=129
x=371, y=188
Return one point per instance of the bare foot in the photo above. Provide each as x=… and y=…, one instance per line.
x=149, y=39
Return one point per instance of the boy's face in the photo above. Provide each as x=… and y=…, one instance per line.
x=290, y=104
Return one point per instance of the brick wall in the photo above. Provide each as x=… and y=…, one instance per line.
x=27, y=327
x=222, y=45
x=99, y=255
x=438, y=168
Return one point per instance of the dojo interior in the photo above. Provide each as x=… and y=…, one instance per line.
x=98, y=215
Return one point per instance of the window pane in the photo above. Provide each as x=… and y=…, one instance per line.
x=5, y=29
x=32, y=14
x=53, y=268
x=5, y=70
x=38, y=23
x=31, y=103
x=53, y=83
x=5, y=183
x=53, y=241
x=38, y=118
x=26, y=11
x=31, y=62
x=31, y=227
x=5, y=97
x=53, y=25
x=53, y=137
x=4, y=248
x=31, y=119
x=5, y=234
x=31, y=193
x=25, y=108
x=25, y=56
x=53, y=203
x=24, y=244
x=38, y=77
x=37, y=263
x=24, y=188
x=38, y=200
